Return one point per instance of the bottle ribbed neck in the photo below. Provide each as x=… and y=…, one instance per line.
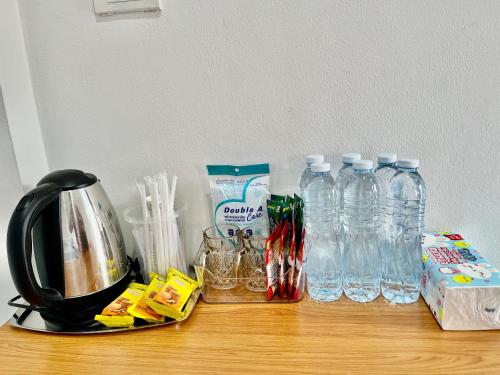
x=386, y=164
x=363, y=171
x=407, y=169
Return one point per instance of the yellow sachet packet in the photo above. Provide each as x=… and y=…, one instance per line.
x=115, y=321
x=153, y=274
x=130, y=296
x=175, y=272
x=172, y=298
x=141, y=310
x=199, y=274
x=191, y=303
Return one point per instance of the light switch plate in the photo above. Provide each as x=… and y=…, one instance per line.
x=109, y=7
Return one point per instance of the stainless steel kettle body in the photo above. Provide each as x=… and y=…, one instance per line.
x=93, y=250
x=68, y=223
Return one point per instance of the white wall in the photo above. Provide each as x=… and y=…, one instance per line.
x=20, y=106
x=10, y=192
x=19, y=132
x=240, y=81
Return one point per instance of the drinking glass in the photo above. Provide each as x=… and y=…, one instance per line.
x=220, y=255
x=252, y=261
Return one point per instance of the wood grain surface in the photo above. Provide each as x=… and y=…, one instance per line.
x=302, y=338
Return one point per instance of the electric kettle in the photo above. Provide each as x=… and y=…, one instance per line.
x=70, y=227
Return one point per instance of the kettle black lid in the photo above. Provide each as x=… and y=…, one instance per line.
x=69, y=179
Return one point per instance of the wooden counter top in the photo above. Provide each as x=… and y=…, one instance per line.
x=304, y=338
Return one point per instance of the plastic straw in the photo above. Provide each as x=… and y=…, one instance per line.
x=172, y=193
x=146, y=256
x=157, y=243
x=162, y=269
x=163, y=188
x=173, y=225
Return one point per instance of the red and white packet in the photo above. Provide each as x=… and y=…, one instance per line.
x=273, y=261
x=284, y=245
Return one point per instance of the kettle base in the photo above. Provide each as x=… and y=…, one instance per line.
x=69, y=319
x=80, y=311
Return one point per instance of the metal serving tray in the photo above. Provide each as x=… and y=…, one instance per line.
x=32, y=321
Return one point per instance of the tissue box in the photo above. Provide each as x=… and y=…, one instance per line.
x=461, y=288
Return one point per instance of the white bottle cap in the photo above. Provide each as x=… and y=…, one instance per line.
x=408, y=163
x=314, y=158
x=350, y=157
x=386, y=158
x=362, y=164
x=320, y=167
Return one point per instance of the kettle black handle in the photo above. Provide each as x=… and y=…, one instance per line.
x=19, y=245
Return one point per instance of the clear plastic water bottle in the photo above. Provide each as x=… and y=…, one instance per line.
x=307, y=174
x=344, y=173
x=404, y=220
x=385, y=170
x=324, y=270
x=362, y=227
